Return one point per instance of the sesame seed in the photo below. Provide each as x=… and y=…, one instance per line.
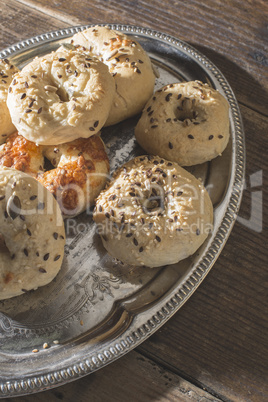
x=191, y=136
x=42, y=270
x=141, y=249
x=62, y=59
x=55, y=235
x=135, y=241
x=220, y=136
x=57, y=257
x=211, y=137
x=158, y=238
x=197, y=232
x=25, y=252
x=46, y=257
x=170, y=145
x=29, y=232
x=168, y=97
x=23, y=96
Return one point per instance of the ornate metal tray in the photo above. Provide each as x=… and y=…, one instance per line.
x=97, y=309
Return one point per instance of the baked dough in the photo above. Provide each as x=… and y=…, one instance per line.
x=7, y=71
x=21, y=154
x=153, y=213
x=60, y=97
x=185, y=122
x=81, y=171
x=81, y=168
x=128, y=63
x=32, y=234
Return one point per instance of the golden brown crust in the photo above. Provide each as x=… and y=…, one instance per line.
x=83, y=165
x=20, y=154
x=81, y=168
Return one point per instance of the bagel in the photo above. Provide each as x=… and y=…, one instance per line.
x=81, y=168
x=187, y=123
x=153, y=213
x=81, y=171
x=60, y=97
x=21, y=154
x=32, y=234
x=128, y=63
x=7, y=71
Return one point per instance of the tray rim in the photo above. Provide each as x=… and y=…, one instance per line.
x=172, y=302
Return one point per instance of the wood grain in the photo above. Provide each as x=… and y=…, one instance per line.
x=217, y=341
x=233, y=34
x=132, y=378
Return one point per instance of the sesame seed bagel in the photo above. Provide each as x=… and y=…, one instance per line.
x=60, y=97
x=7, y=71
x=81, y=168
x=32, y=234
x=187, y=123
x=128, y=63
x=153, y=213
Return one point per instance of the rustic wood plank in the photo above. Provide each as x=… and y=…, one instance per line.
x=19, y=22
x=217, y=339
x=132, y=378
x=232, y=34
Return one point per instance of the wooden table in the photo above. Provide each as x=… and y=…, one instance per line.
x=214, y=347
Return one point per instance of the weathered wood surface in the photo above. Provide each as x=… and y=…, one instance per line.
x=216, y=344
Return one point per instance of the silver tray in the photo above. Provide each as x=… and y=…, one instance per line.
x=97, y=310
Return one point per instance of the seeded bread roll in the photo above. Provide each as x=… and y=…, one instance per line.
x=153, y=213
x=60, y=97
x=187, y=123
x=128, y=63
x=32, y=234
x=7, y=71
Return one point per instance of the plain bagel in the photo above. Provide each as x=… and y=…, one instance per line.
x=60, y=97
x=32, y=234
x=187, y=123
x=7, y=71
x=153, y=213
x=128, y=63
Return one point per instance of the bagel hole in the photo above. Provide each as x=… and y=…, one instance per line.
x=48, y=165
x=187, y=110
x=154, y=202
x=62, y=94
